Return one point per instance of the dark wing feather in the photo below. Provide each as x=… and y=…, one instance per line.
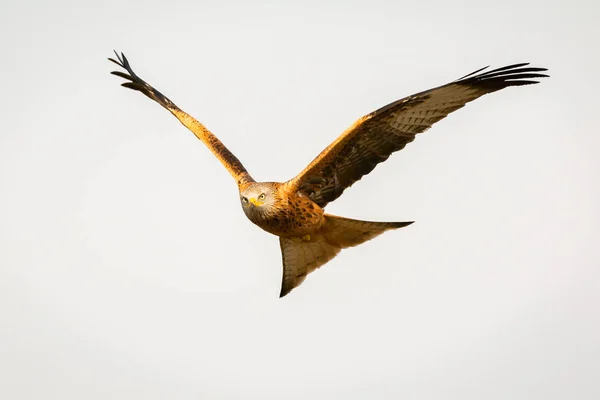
x=233, y=165
x=374, y=137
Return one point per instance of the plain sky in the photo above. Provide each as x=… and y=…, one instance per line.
x=128, y=269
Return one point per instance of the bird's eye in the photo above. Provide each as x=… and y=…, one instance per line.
x=262, y=196
x=244, y=199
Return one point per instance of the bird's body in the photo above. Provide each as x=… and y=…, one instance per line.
x=280, y=213
x=294, y=210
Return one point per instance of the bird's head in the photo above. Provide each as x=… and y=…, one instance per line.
x=259, y=199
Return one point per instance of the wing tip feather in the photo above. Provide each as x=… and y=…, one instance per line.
x=510, y=75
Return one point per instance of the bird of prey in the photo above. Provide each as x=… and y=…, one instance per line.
x=293, y=210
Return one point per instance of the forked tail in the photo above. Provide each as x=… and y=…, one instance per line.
x=301, y=256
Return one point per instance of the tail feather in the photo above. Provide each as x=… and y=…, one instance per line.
x=346, y=232
x=301, y=256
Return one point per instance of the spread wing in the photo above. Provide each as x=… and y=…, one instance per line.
x=373, y=138
x=233, y=165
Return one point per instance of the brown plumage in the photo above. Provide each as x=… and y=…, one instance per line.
x=293, y=210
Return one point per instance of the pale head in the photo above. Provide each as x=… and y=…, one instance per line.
x=259, y=199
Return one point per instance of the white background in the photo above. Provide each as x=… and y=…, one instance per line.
x=128, y=270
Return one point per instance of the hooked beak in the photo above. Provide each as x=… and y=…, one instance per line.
x=253, y=201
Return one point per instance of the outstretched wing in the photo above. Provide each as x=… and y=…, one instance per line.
x=374, y=137
x=233, y=165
